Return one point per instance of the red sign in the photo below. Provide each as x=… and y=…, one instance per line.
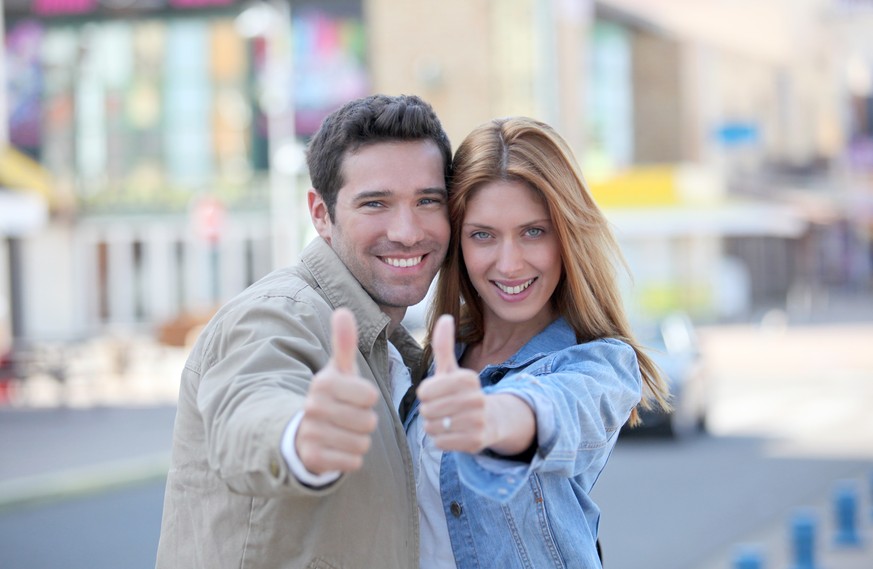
x=208, y=216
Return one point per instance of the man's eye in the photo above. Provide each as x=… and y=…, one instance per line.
x=371, y=204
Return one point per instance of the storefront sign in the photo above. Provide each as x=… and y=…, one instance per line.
x=59, y=8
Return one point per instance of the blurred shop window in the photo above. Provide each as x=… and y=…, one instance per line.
x=329, y=61
x=139, y=114
x=24, y=86
x=187, y=100
x=609, y=100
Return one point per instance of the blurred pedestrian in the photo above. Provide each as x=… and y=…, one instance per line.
x=508, y=446
x=286, y=449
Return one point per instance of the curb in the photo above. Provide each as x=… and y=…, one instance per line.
x=76, y=482
x=772, y=543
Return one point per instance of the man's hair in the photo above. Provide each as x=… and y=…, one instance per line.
x=366, y=121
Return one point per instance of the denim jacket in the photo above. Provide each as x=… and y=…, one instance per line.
x=509, y=514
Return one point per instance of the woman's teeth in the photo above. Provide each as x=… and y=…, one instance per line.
x=514, y=289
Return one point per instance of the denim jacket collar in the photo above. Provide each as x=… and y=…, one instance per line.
x=555, y=337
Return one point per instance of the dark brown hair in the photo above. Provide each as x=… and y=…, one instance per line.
x=365, y=121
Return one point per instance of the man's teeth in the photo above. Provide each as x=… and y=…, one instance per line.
x=514, y=289
x=411, y=262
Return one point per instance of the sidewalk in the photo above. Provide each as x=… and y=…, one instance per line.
x=58, y=452
x=105, y=425
x=102, y=429
x=821, y=360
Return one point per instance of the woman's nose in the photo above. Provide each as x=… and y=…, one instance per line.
x=510, y=258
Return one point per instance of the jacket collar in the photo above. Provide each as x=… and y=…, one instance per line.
x=341, y=288
x=555, y=337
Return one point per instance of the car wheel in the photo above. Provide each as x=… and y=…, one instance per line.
x=681, y=427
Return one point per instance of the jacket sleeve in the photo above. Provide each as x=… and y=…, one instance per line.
x=257, y=370
x=581, y=398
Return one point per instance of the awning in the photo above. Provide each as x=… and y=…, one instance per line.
x=675, y=200
x=21, y=172
x=21, y=213
x=25, y=193
x=730, y=219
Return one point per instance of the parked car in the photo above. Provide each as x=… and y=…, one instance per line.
x=672, y=343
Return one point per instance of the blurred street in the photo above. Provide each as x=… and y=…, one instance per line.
x=153, y=165
x=82, y=466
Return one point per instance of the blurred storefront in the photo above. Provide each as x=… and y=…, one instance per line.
x=730, y=142
x=142, y=112
x=25, y=193
x=744, y=97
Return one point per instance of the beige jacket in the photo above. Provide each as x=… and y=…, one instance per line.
x=230, y=500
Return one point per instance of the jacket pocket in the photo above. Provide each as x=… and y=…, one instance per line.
x=550, y=545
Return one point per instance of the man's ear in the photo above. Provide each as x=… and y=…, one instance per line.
x=318, y=213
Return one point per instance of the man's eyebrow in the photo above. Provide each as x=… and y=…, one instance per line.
x=379, y=194
x=442, y=192
x=372, y=194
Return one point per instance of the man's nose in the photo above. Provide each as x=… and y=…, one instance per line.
x=405, y=228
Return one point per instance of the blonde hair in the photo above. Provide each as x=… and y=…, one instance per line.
x=528, y=151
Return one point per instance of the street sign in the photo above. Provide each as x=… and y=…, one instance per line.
x=208, y=215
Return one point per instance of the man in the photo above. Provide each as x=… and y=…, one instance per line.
x=287, y=449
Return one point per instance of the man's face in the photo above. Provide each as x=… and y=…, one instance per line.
x=390, y=226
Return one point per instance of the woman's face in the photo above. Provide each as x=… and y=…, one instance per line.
x=512, y=254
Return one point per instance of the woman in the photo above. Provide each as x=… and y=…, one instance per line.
x=508, y=446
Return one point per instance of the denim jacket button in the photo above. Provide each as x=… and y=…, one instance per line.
x=456, y=509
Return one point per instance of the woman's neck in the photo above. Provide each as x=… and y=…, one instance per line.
x=500, y=341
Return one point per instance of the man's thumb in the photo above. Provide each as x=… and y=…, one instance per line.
x=444, y=344
x=344, y=340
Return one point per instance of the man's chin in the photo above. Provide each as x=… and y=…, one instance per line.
x=401, y=299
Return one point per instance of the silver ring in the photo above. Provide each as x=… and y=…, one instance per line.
x=447, y=423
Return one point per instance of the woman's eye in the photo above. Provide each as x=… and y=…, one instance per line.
x=535, y=232
x=479, y=235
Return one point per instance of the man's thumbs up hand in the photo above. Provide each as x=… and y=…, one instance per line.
x=452, y=401
x=338, y=417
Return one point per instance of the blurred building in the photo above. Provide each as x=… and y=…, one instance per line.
x=714, y=133
x=155, y=119
x=731, y=143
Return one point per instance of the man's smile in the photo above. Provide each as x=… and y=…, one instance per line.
x=402, y=262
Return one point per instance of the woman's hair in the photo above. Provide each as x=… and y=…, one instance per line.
x=524, y=150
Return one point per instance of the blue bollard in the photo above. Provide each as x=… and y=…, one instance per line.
x=748, y=557
x=846, y=516
x=803, y=540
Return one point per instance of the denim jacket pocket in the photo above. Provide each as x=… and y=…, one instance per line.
x=540, y=549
